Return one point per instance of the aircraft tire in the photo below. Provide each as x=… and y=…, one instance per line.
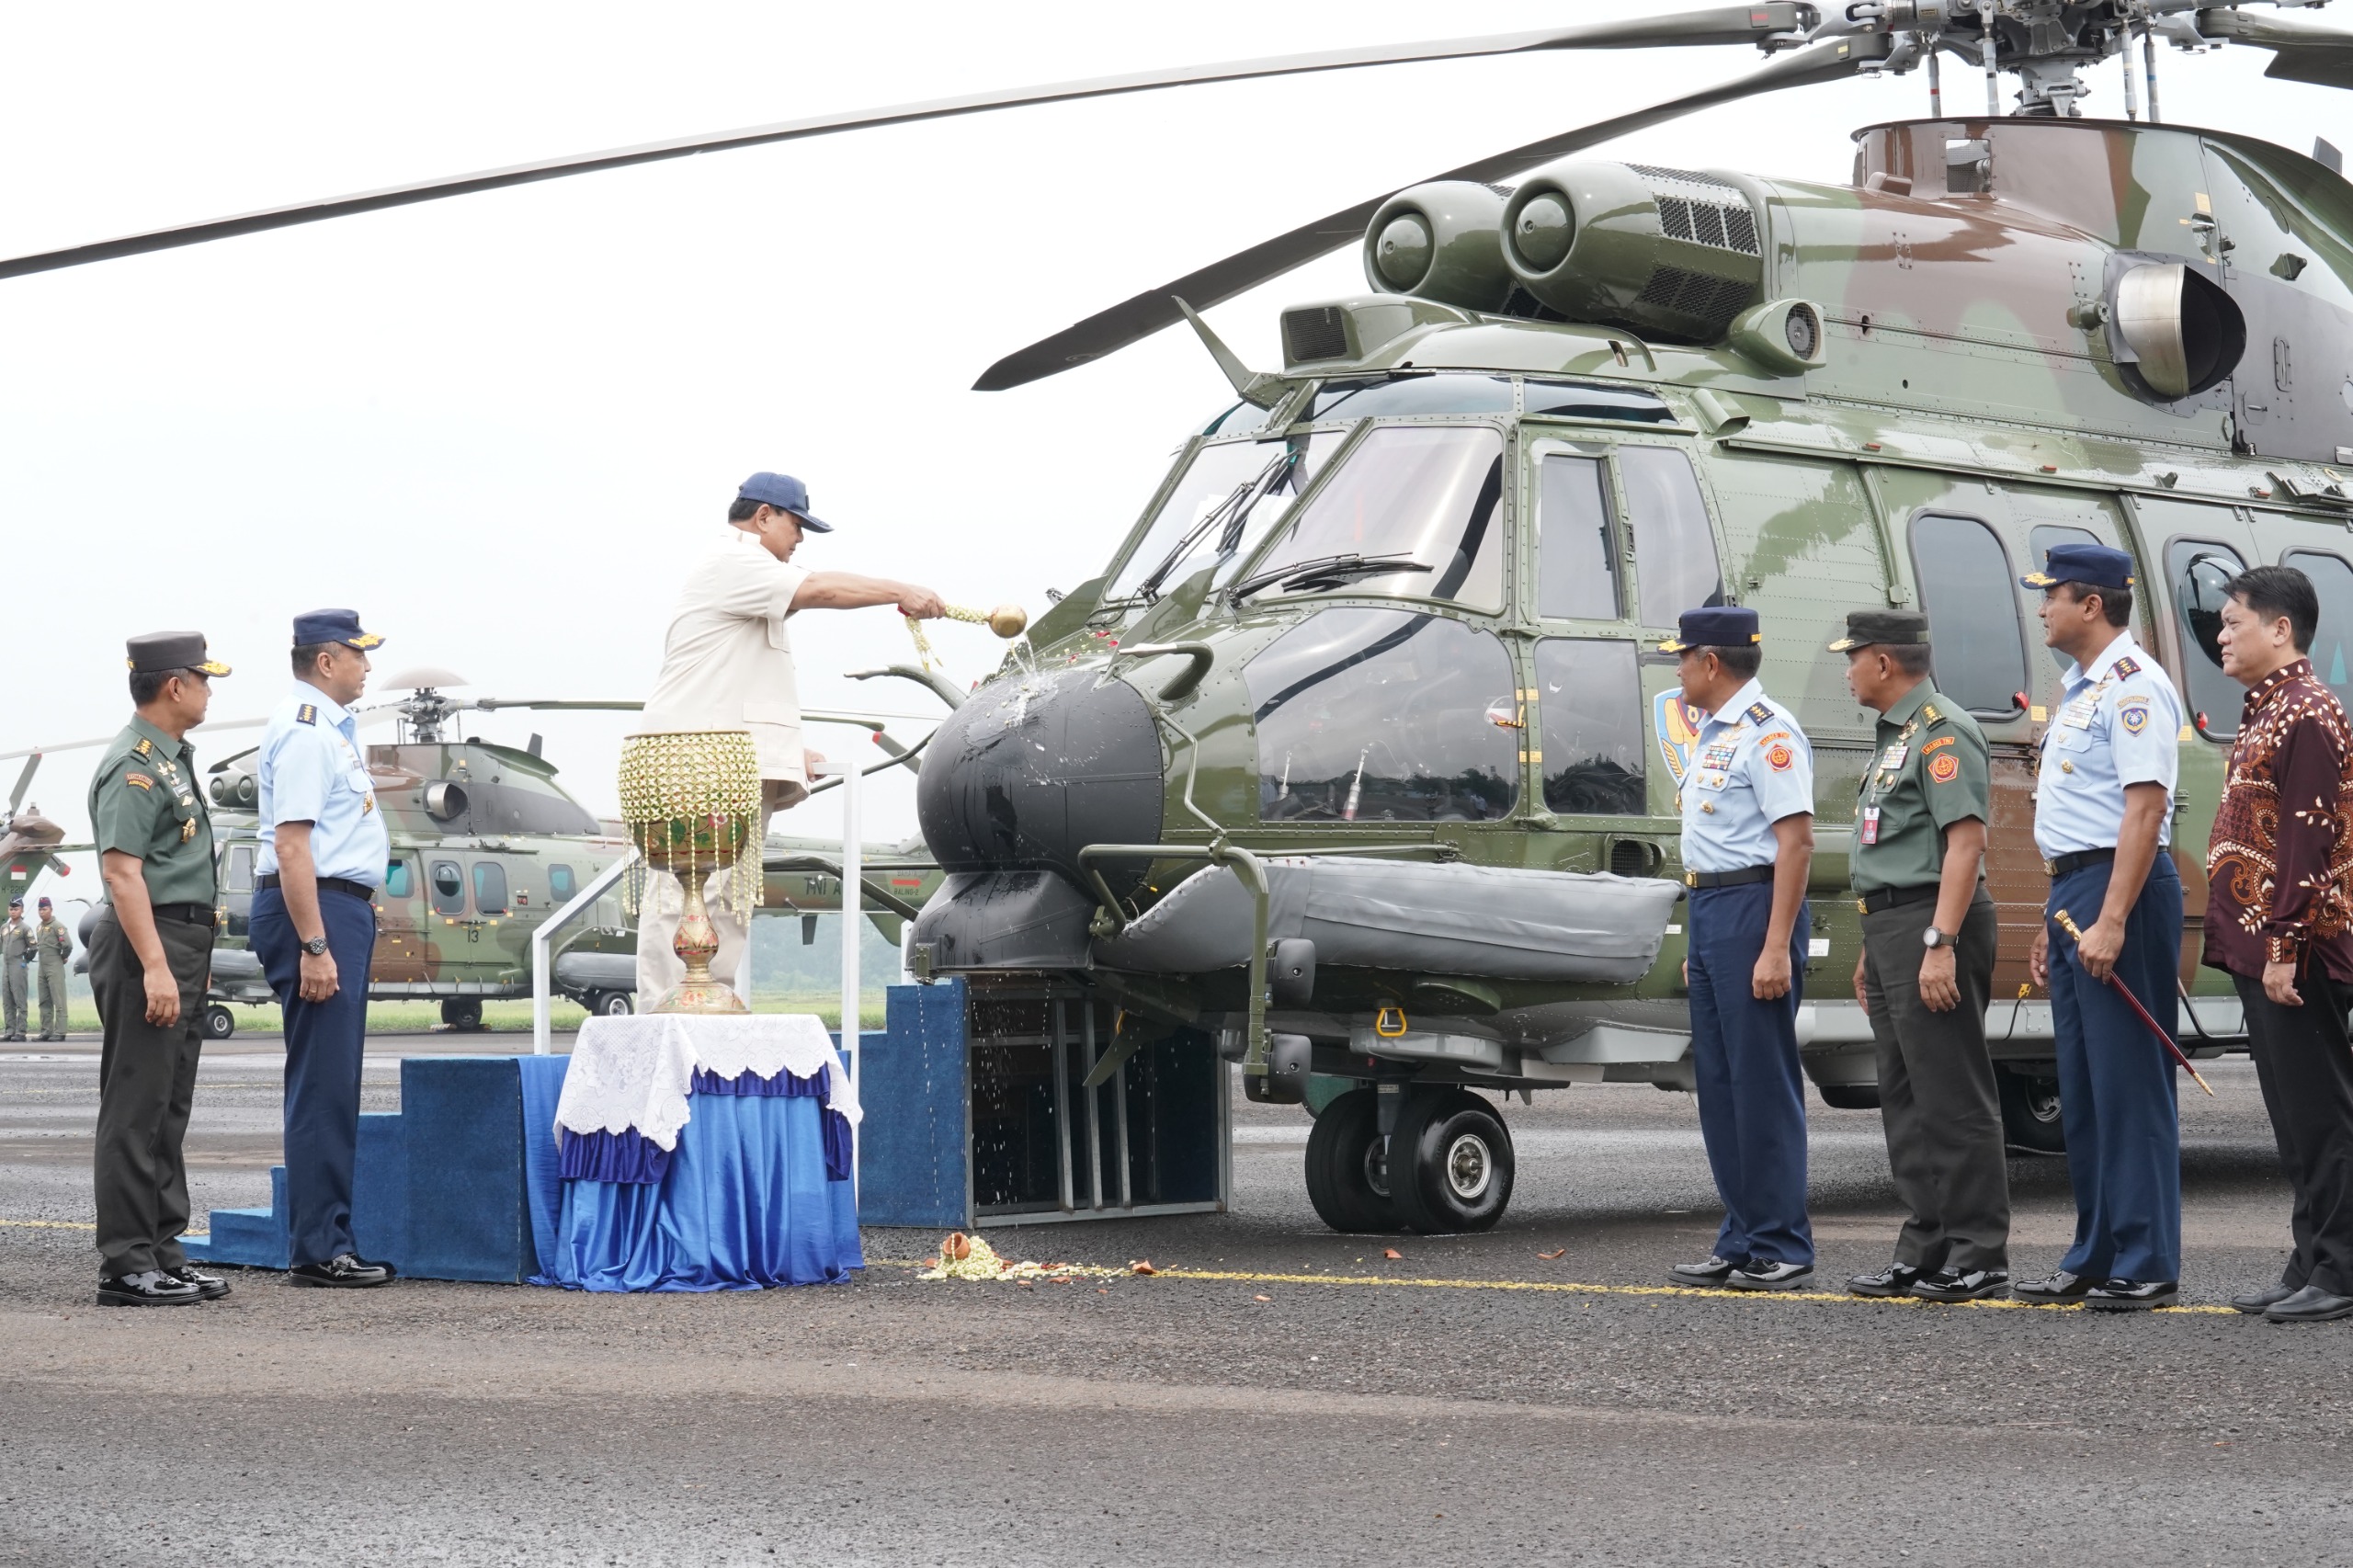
x=612, y=1004
x=1450, y=1163
x=219, y=1022
x=461, y=1012
x=2031, y=1123
x=1343, y=1164
x=1850, y=1096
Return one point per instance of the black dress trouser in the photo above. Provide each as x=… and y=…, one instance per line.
x=2305, y=1063
x=146, y=1087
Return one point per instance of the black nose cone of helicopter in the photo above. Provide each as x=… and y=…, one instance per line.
x=1034, y=768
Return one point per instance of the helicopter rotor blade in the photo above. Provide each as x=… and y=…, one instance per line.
x=1764, y=24
x=24, y=782
x=1134, y=318
x=2300, y=51
x=492, y=704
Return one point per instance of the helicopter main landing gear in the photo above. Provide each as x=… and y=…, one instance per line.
x=219, y=1023
x=1446, y=1166
x=610, y=1004
x=462, y=1012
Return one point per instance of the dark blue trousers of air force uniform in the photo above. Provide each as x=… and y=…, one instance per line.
x=324, y=1041
x=1752, y=1092
x=2117, y=1083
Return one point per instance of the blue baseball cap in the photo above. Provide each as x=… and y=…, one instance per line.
x=314, y=627
x=1725, y=626
x=784, y=493
x=2093, y=563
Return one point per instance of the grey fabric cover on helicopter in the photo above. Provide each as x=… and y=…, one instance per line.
x=1405, y=914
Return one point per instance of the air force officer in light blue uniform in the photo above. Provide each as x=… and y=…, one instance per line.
x=324, y=850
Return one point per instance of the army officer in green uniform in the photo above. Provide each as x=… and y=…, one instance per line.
x=150, y=959
x=1928, y=966
x=15, y=952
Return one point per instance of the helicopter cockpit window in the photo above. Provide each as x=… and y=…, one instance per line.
x=448, y=888
x=1576, y=576
x=1675, y=551
x=1384, y=715
x=1966, y=588
x=561, y=887
x=1239, y=420
x=1415, y=511
x=238, y=877
x=1584, y=400
x=1230, y=494
x=490, y=888
x=2201, y=572
x=2331, y=648
x=1589, y=696
x=1400, y=395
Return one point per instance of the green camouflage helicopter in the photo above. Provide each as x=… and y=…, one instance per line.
x=486, y=846
x=1355, y=765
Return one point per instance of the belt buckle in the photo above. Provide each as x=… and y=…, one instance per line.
x=2050, y=867
x=1690, y=879
x=1862, y=906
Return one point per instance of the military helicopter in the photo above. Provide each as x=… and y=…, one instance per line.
x=1356, y=763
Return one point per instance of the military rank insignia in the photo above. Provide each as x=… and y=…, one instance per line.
x=144, y=746
x=2126, y=667
x=1759, y=714
x=307, y=714
x=1945, y=769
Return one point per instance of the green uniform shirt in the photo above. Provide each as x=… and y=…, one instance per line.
x=1929, y=772
x=144, y=802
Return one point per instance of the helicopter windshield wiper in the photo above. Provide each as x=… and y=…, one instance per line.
x=1233, y=511
x=1329, y=571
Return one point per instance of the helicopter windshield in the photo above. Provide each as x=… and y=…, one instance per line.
x=1229, y=495
x=1384, y=715
x=1415, y=511
x=1418, y=392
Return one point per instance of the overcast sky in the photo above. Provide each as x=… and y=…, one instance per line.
x=500, y=425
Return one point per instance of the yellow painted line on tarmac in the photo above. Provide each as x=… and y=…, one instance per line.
x=49, y=1224
x=1570, y=1287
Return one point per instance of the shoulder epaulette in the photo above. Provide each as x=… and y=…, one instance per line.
x=306, y=714
x=1928, y=714
x=1759, y=714
x=144, y=745
x=2126, y=666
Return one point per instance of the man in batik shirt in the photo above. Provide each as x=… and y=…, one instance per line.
x=2279, y=921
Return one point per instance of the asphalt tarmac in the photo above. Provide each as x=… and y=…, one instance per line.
x=1472, y=1401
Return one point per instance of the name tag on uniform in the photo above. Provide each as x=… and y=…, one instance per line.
x=1870, y=825
x=1895, y=756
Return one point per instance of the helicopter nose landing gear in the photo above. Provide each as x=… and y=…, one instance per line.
x=462, y=1012
x=219, y=1022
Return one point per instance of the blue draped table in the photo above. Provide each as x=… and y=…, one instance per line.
x=691, y=1156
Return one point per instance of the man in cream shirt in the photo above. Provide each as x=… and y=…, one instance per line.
x=727, y=664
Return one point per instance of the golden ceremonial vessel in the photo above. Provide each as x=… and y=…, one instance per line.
x=1008, y=621
x=692, y=802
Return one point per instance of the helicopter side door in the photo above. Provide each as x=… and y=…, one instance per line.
x=403, y=956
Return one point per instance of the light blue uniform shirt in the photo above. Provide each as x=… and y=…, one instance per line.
x=2118, y=723
x=312, y=770
x=1750, y=767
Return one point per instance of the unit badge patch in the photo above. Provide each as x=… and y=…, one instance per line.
x=2134, y=714
x=1944, y=770
x=1937, y=744
x=138, y=778
x=1781, y=757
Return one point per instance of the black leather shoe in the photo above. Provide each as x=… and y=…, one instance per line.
x=1762, y=1274
x=150, y=1287
x=2132, y=1295
x=2311, y=1304
x=2058, y=1287
x=344, y=1271
x=209, y=1286
x=1714, y=1271
x=2254, y=1303
x=1963, y=1285
x=1895, y=1279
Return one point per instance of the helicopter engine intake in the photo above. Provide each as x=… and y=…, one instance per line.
x=1441, y=240
x=1660, y=251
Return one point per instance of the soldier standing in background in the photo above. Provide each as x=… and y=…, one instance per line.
x=52, y=950
x=16, y=951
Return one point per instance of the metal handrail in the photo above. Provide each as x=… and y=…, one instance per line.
x=599, y=885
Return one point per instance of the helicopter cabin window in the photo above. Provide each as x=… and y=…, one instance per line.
x=490, y=888
x=1415, y=511
x=2331, y=648
x=237, y=876
x=1577, y=572
x=1675, y=551
x=1971, y=596
x=1384, y=715
x=448, y=888
x=1410, y=394
x=1586, y=400
x=1231, y=493
x=1589, y=696
x=396, y=880
x=561, y=887
x=2200, y=572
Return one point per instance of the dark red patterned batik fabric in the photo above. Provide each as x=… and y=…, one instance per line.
x=2281, y=859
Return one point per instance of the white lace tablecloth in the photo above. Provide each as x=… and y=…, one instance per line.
x=634, y=1073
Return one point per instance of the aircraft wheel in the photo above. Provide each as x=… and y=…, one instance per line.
x=462, y=1012
x=2031, y=1123
x=612, y=1004
x=1450, y=1163
x=1850, y=1096
x=219, y=1022
x=1347, y=1178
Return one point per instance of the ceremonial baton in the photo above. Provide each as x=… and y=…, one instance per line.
x=2156, y=1028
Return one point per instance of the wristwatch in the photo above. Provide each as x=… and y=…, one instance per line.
x=317, y=946
x=1932, y=937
